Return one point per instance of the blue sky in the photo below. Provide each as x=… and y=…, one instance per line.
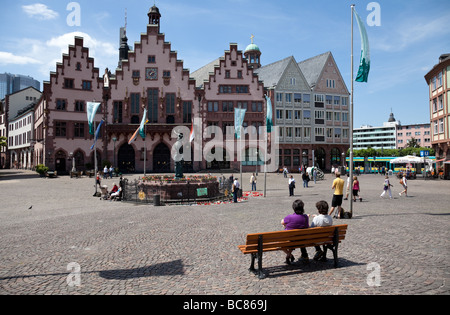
x=407, y=44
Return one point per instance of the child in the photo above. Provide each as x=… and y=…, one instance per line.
x=295, y=221
x=321, y=220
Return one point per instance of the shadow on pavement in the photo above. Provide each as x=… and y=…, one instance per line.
x=163, y=269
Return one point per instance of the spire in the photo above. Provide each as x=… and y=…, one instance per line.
x=123, y=48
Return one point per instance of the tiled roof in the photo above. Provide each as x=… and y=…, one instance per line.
x=312, y=67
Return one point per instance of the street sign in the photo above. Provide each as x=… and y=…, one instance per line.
x=424, y=153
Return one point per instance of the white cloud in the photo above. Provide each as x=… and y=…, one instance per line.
x=410, y=32
x=40, y=11
x=104, y=53
x=7, y=58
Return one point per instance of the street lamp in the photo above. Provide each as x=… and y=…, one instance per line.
x=114, y=139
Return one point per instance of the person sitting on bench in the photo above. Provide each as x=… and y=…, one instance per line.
x=295, y=221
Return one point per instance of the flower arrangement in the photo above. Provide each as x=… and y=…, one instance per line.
x=184, y=179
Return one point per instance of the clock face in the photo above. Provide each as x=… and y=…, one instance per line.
x=151, y=73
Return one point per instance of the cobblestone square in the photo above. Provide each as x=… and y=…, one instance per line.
x=48, y=227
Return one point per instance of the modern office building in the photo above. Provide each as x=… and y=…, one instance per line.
x=382, y=137
x=11, y=83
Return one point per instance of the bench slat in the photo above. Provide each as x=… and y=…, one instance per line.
x=268, y=236
x=293, y=238
x=248, y=249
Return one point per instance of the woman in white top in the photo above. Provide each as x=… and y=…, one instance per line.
x=387, y=187
x=405, y=186
x=323, y=219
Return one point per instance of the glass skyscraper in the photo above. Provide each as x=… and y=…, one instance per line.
x=11, y=83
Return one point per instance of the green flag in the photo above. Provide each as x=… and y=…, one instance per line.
x=91, y=109
x=269, y=118
x=239, y=115
x=364, y=65
x=143, y=123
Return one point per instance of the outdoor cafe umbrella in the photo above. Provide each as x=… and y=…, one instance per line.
x=407, y=159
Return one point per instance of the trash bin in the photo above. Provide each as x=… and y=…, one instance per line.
x=157, y=200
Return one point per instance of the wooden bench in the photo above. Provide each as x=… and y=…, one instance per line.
x=259, y=243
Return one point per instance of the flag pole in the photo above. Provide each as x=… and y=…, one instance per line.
x=351, y=119
x=265, y=154
x=145, y=150
x=95, y=159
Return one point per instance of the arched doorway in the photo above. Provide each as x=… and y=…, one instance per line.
x=161, y=159
x=336, y=157
x=60, y=162
x=320, y=158
x=127, y=159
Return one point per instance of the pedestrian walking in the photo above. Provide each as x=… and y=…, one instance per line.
x=98, y=180
x=105, y=172
x=253, y=182
x=338, y=186
x=404, y=183
x=236, y=187
x=356, y=189
x=387, y=187
x=111, y=171
x=291, y=186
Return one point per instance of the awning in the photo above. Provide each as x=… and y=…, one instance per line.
x=438, y=161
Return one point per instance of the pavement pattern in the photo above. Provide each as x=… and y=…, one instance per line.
x=57, y=239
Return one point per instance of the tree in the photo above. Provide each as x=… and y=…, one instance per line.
x=413, y=143
x=2, y=141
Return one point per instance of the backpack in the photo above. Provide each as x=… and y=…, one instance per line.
x=345, y=214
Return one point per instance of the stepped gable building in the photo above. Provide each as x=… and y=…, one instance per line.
x=311, y=98
x=225, y=84
x=61, y=128
x=149, y=77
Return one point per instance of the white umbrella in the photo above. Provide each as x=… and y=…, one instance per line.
x=407, y=159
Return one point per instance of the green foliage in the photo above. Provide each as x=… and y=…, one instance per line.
x=2, y=141
x=41, y=169
x=391, y=152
